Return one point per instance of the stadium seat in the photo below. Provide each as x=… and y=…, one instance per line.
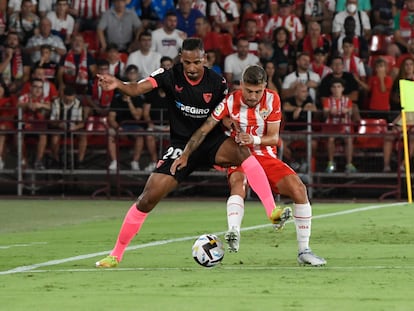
x=94, y=125
x=371, y=126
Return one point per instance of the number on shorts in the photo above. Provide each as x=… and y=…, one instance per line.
x=172, y=153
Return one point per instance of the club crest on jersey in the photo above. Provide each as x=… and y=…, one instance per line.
x=178, y=89
x=207, y=97
x=264, y=113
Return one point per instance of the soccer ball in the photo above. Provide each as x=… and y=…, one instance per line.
x=208, y=250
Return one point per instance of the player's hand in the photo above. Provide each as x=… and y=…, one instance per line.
x=178, y=164
x=244, y=139
x=107, y=82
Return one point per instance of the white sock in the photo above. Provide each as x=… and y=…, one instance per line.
x=235, y=212
x=302, y=214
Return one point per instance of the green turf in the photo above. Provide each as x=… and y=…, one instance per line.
x=370, y=259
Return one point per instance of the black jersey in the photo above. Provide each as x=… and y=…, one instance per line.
x=189, y=104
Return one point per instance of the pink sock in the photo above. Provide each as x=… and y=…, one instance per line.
x=132, y=224
x=257, y=179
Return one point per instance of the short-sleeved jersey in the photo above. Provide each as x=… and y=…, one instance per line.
x=189, y=103
x=252, y=120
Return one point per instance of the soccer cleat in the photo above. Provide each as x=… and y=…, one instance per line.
x=350, y=168
x=232, y=238
x=107, y=262
x=279, y=216
x=307, y=258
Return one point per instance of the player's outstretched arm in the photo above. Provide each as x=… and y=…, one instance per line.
x=193, y=143
x=109, y=82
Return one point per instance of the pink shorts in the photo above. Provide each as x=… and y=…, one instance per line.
x=274, y=168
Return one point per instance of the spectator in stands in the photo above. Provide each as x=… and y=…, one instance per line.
x=295, y=112
x=383, y=16
x=77, y=68
x=273, y=80
x=168, y=39
x=50, y=67
x=379, y=87
x=87, y=13
x=35, y=111
x=362, y=23
x=151, y=12
x=116, y=63
x=286, y=18
x=395, y=134
x=213, y=61
x=8, y=114
x=351, y=85
x=145, y=59
x=359, y=42
x=157, y=98
x=50, y=91
x=284, y=52
x=15, y=6
x=406, y=73
x=24, y=22
x=225, y=15
x=321, y=12
x=45, y=36
x=338, y=111
x=266, y=52
x=313, y=40
x=14, y=64
x=303, y=75
x=67, y=116
x=200, y=5
x=353, y=63
x=186, y=17
x=318, y=65
x=125, y=108
x=252, y=33
x=62, y=22
x=3, y=26
x=101, y=99
x=119, y=25
x=203, y=31
x=398, y=64
x=403, y=26
x=235, y=63
x=362, y=5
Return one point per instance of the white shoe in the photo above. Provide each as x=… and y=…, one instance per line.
x=232, y=238
x=151, y=167
x=1, y=164
x=308, y=258
x=113, y=166
x=135, y=166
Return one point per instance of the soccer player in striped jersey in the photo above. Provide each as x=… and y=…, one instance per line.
x=193, y=92
x=254, y=113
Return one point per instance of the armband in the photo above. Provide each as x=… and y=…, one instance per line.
x=256, y=140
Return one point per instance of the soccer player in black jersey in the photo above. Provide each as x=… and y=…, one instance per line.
x=193, y=91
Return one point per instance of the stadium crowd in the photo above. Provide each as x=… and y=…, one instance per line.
x=342, y=60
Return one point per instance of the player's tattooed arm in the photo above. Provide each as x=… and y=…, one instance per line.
x=193, y=143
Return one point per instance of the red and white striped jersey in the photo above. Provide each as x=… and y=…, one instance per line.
x=252, y=120
x=90, y=8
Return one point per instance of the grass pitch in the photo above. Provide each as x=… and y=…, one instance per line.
x=48, y=250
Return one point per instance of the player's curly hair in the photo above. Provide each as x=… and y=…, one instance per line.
x=254, y=74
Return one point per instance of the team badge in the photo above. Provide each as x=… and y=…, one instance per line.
x=264, y=113
x=207, y=97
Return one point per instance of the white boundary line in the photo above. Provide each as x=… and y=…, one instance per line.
x=21, y=245
x=162, y=242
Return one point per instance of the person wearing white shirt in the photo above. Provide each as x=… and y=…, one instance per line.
x=234, y=64
x=146, y=60
x=362, y=23
x=301, y=75
x=168, y=39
